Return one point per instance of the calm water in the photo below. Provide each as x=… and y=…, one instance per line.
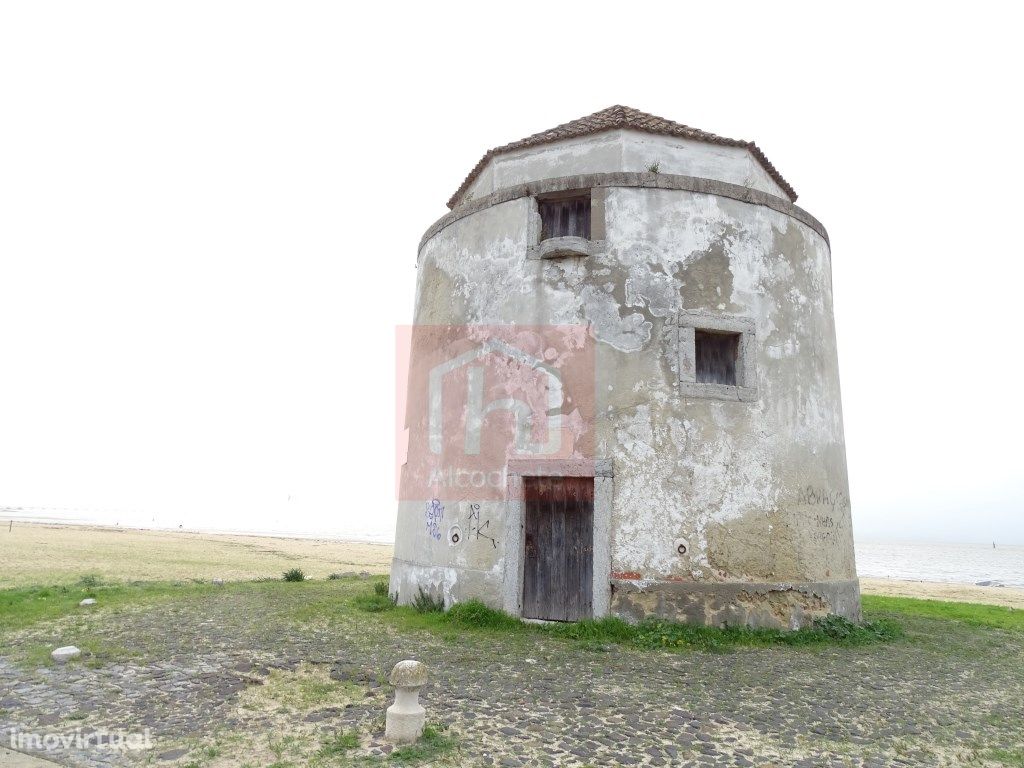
x=958, y=563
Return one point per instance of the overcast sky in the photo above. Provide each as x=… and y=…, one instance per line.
x=209, y=215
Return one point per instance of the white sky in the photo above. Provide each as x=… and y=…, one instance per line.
x=209, y=215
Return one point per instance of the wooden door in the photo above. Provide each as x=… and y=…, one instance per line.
x=558, y=565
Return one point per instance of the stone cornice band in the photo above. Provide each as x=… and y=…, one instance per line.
x=628, y=179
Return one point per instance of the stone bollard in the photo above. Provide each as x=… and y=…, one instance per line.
x=405, y=717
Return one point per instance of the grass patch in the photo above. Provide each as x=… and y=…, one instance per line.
x=22, y=607
x=338, y=744
x=308, y=687
x=652, y=634
x=426, y=603
x=474, y=614
x=1011, y=757
x=377, y=601
x=294, y=574
x=95, y=653
x=971, y=614
x=657, y=634
x=831, y=630
x=433, y=744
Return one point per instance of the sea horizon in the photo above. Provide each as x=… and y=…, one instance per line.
x=897, y=558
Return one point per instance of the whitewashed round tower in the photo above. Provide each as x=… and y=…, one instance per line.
x=693, y=464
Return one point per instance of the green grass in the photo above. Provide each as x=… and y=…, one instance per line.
x=22, y=607
x=423, y=602
x=1010, y=757
x=329, y=601
x=338, y=744
x=474, y=615
x=971, y=614
x=433, y=744
x=374, y=603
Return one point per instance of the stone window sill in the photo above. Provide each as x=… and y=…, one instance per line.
x=718, y=391
x=565, y=247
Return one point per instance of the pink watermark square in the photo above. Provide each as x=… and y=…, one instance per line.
x=478, y=396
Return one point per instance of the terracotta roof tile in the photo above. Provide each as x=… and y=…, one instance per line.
x=621, y=117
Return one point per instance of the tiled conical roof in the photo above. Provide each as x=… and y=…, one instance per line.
x=622, y=117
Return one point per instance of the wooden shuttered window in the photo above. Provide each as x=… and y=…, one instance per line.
x=565, y=217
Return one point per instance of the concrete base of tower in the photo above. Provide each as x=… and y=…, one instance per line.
x=781, y=605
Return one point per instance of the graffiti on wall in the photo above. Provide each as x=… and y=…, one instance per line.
x=434, y=514
x=478, y=530
x=822, y=497
x=828, y=526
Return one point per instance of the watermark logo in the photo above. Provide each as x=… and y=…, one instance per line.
x=478, y=396
x=53, y=741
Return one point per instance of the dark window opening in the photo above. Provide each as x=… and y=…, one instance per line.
x=565, y=217
x=716, y=355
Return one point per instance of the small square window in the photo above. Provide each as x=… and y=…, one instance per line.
x=565, y=217
x=716, y=355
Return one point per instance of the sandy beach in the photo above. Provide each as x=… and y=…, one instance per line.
x=35, y=553
x=931, y=590
x=41, y=554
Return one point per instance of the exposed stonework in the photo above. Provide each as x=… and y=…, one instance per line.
x=717, y=605
x=750, y=475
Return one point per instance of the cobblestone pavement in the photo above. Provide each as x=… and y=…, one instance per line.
x=947, y=695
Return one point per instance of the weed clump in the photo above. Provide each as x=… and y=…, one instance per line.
x=434, y=743
x=830, y=630
x=424, y=602
x=338, y=744
x=474, y=614
x=377, y=602
x=846, y=631
x=294, y=574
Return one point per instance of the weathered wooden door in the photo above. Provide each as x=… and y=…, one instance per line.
x=558, y=565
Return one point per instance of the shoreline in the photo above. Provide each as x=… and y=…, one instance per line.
x=949, y=591
x=54, y=549
x=65, y=523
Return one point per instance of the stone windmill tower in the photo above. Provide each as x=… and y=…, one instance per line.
x=643, y=313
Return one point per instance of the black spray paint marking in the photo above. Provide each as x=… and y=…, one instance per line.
x=814, y=497
x=477, y=528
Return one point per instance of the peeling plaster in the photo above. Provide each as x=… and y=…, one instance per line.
x=728, y=477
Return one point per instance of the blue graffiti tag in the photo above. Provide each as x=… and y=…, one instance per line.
x=435, y=514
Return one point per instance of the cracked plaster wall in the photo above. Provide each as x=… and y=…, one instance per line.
x=758, y=489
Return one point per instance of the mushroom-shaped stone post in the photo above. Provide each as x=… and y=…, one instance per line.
x=405, y=718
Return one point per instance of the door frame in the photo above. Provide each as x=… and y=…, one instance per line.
x=515, y=526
